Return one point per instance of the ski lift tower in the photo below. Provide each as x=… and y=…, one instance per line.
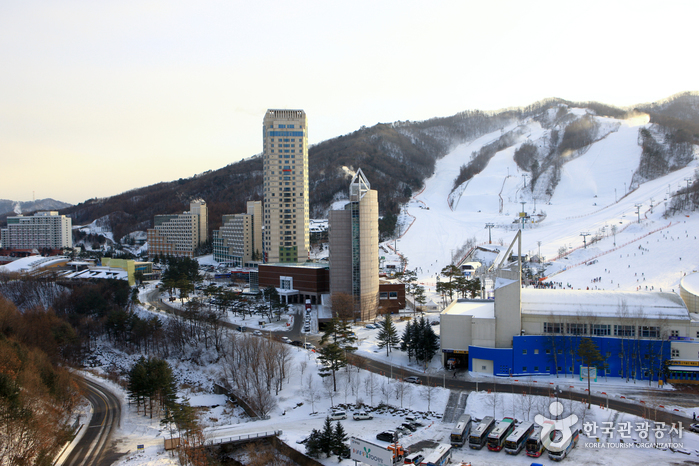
x=585, y=235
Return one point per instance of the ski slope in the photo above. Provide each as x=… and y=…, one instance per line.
x=592, y=195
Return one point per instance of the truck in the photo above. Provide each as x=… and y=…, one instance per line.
x=369, y=452
x=308, y=305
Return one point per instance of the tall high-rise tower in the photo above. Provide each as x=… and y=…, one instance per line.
x=354, y=248
x=285, y=156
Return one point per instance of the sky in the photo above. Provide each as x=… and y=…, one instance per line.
x=98, y=98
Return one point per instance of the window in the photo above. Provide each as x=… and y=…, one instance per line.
x=624, y=331
x=524, y=351
x=548, y=351
x=482, y=368
x=536, y=351
x=536, y=368
x=383, y=295
x=674, y=333
x=393, y=295
x=524, y=368
x=601, y=330
x=560, y=351
x=675, y=353
x=553, y=327
x=576, y=329
x=649, y=332
x=548, y=368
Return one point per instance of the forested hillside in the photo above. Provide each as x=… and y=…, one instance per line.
x=398, y=157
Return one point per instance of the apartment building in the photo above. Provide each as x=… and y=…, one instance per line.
x=179, y=234
x=286, y=213
x=39, y=231
x=239, y=241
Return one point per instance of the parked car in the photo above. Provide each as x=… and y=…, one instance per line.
x=410, y=426
x=362, y=416
x=411, y=379
x=286, y=339
x=415, y=458
x=694, y=428
x=434, y=322
x=257, y=332
x=387, y=436
x=309, y=346
x=371, y=326
x=296, y=343
x=336, y=415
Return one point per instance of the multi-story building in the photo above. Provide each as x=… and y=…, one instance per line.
x=354, y=248
x=40, y=231
x=179, y=234
x=286, y=214
x=239, y=241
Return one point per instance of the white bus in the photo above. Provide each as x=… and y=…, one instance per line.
x=461, y=430
x=440, y=456
x=479, y=435
x=517, y=439
x=496, y=438
x=561, y=446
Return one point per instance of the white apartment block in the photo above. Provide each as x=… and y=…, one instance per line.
x=179, y=234
x=286, y=213
x=239, y=240
x=42, y=230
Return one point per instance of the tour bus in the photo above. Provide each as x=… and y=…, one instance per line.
x=460, y=433
x=533, y=444
x=496, y=438
x=515, y=442
x=561, y=446
x=440, y=456
x=479, y=435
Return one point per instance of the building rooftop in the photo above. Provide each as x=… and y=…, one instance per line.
x=603, y=303
x=309, y=265
x=478, y=308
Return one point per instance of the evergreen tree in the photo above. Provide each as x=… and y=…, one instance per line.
x=313, y=444
x=388, y=334
x=333, y=358
x=340, y=332
x=327, y=438
x=339, y=439
x=424, y=341
x=406, y=342
x=589, y=354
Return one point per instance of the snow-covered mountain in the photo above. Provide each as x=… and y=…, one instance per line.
x=10, y=207
x=600, y=189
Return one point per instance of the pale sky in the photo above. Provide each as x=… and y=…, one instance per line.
x=100, y=97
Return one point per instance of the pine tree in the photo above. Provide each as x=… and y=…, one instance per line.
x=590, y=356
x=313, y=443
x=327, y=437
x=333, y=358
x=388, y=334
x=406, y=342
x=339, y=439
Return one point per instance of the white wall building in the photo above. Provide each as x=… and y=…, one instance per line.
x=42, y=230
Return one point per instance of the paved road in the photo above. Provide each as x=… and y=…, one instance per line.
x=632, y=407
x=94, y=448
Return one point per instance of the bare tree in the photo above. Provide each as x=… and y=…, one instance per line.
x=371, y=385
x=312, y=395
x=329, y=390
x=387, y=390
x=429, y=392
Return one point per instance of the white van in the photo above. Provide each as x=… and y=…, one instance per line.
x=336, y=415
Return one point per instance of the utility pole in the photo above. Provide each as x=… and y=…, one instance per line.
x=585, y=235
x=522, y=215
x=539, y=243
x=490, y=226
x=524, y=177
x=638, y=211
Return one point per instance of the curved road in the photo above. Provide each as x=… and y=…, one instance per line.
x=93, y=449
x=454, y=384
